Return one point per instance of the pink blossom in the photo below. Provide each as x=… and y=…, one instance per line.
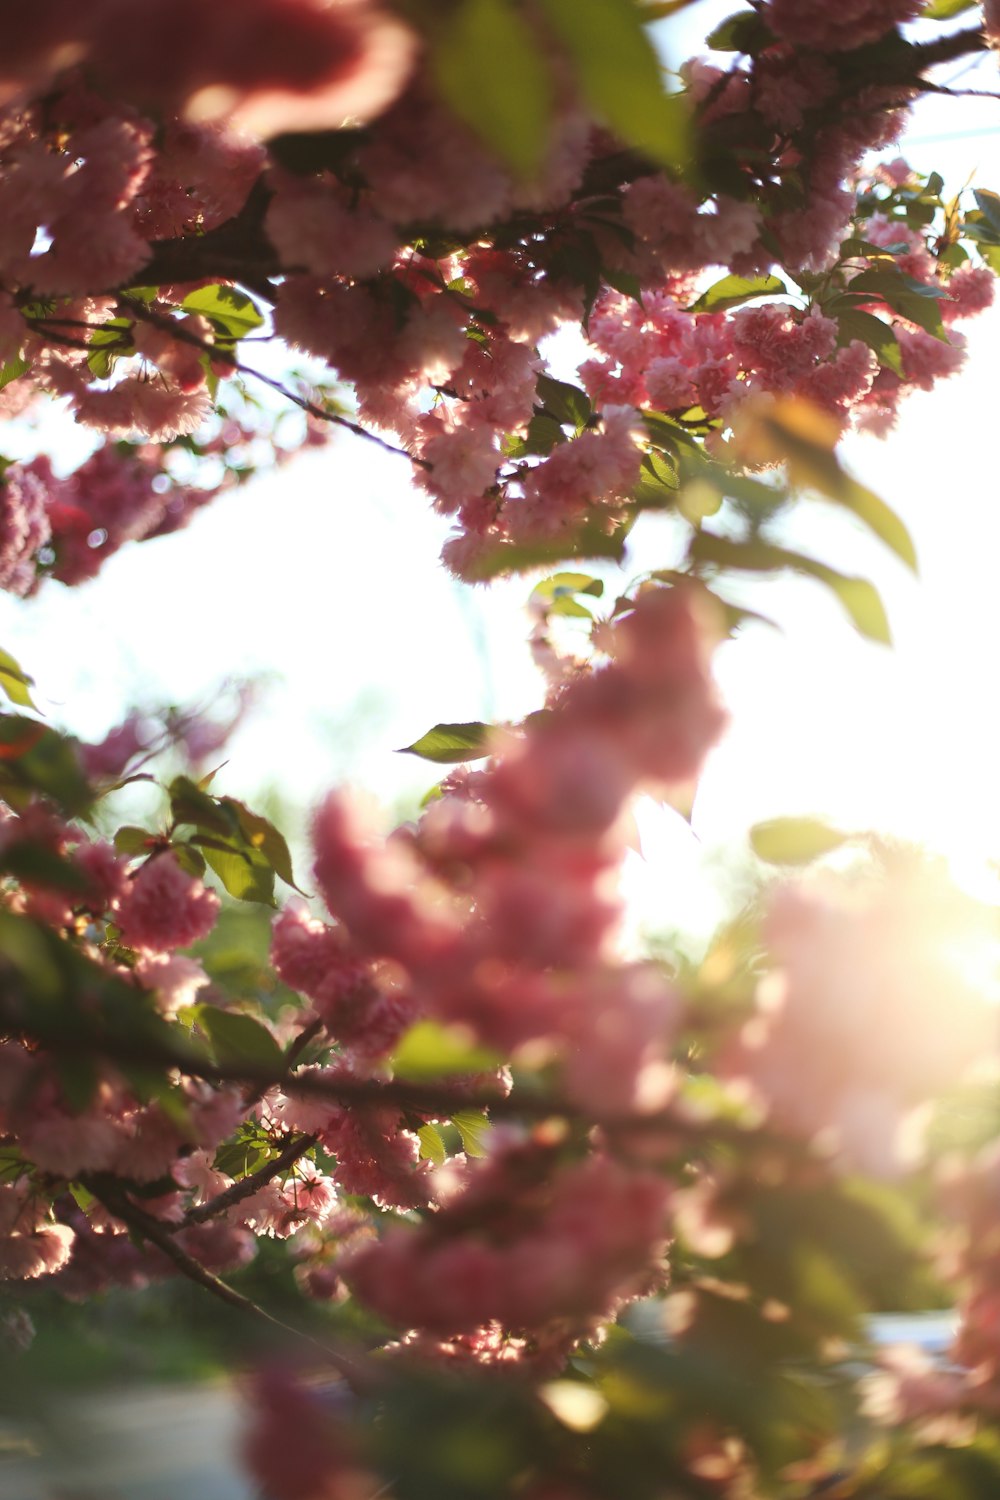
x=315, y=228
x=815, y=24
x=24, y=527
x=165, y=908
x=153, y=407
x=926, y=360
x=23, y=1257
x=199, y=177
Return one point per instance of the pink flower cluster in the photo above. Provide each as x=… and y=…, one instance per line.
x=825, y=28
x=500, y=912
x=526, y=1242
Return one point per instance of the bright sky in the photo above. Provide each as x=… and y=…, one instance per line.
x=326, y=577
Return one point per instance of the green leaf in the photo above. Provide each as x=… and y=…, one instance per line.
x=432, y=1147
x=262, y=835
x=912, y=299
x=813, y=461
x=232, y=312
x=35, y=757
x=189, y=804
x=558, y=594
x=858, y=596
x=620, y=76
x=943, y=10
x=237, y=1040
x=794, y=841
x=590, y=540
x=429, y=1051
x=870, y=330
x=190, y=859
x=13, y=370
x=15, y=682
x=244, y=872
x=447, y=744
x=107, y=340
x=132, y=840
x=625, y=282
x=743, y=32
x=989, y=207
x=731, y=291
x=567, y=403
x=490, y=70
x=30, y=861
x=472, y=1127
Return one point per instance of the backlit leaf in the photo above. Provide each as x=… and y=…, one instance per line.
x=447, y=744
x=490, y=70
x=794, y=841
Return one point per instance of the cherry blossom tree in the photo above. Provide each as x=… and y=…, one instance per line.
x=499, y=1149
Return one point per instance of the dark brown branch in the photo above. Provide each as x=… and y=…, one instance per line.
x=247, y=1186
x=949, y=48
x=225, y=357
x=361, y=1377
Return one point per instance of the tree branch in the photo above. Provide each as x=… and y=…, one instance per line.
x=360, y=1376
x=247, y=1186
x=225, y=357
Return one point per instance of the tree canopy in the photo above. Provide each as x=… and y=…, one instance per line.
x=566, y=1223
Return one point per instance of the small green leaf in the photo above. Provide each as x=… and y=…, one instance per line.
x=472, y=1127
x=794, y=841
x=912, y=299
x=567, y=403
x=429, y=1051
x=743, y=32
x=731, y=291
x=262, y=834
x=590, y=540
x=491, y=71
x=35, y=757
x=189, y=804
x=858, y=596
x=619, y=74
x=13, y=370
x=943, y=10
x=233, y=312
x=989, y=207
x=15, y=682
x=870, y=330
x=558, y=594
x=244, y=872
x=132, y=840
x=447, y=744
x=812, y=461
x=190, y=859
x=432, y=1147
x=237, y=1040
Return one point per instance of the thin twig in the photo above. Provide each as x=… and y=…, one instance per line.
x=226, y=357
x=247, y=1186
x=360, y=1377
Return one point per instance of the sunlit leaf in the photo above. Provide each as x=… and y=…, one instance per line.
x=731, y=291
x=446, y=744
x=619, y=74
x=237, y=1040
x=233, y=312
x=429, y=1050
x=858, y=596
x=15, y=682
x=490, y=70
x=794, y=841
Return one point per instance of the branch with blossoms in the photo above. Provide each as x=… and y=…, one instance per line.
x=449, y=1090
